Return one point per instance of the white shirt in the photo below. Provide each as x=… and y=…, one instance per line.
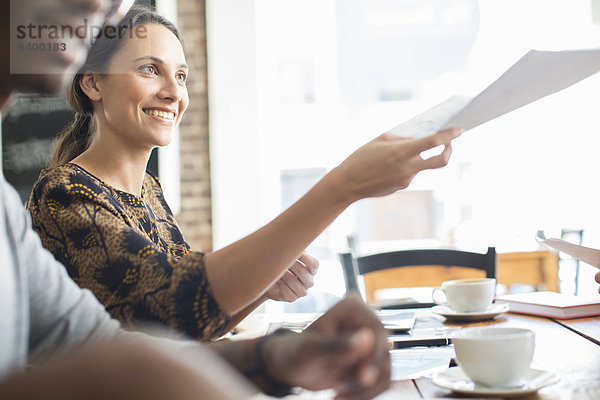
x=42, y=311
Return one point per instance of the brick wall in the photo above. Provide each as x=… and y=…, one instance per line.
x=195, y=218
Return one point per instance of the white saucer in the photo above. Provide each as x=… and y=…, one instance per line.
x=455, y=379
x=489, y=313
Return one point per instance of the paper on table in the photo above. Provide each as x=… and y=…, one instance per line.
x=416, y=362
x=586, y=254
x=537, y=74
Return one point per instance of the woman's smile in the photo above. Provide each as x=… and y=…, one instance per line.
x=160, y=114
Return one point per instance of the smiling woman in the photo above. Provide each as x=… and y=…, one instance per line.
x=107, y=221
x=103, y=216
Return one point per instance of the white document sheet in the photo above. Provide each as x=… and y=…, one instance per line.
x=417, y=362
x=586, y=254
x=537, y=74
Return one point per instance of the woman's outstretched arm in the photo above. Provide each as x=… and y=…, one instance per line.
x=239, y=273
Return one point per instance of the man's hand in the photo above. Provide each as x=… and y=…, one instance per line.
x=598, y=279
x=296, y=280
x=346, y=349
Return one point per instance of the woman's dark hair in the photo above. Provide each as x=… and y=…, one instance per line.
x=78, y=135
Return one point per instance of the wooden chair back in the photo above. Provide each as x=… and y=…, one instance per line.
x=410, y=268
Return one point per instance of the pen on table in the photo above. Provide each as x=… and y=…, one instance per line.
x=428, y=342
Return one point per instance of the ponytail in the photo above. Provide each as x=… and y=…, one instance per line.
x=77, y=136
x=73, y=140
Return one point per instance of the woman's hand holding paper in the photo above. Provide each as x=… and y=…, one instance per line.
x=389, y=163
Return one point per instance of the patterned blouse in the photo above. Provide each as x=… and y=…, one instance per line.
x=127, y=250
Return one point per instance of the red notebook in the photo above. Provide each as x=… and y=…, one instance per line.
x=552, y=304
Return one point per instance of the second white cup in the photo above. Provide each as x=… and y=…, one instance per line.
x=495, y=357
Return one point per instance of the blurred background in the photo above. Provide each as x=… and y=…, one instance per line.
x=283, y=90
x=313, y=80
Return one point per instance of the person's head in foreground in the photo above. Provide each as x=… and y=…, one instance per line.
x=45, y=41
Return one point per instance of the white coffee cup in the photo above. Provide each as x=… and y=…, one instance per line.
x=494, y=357
x=468, y=295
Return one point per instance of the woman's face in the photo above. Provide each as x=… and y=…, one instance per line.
x=144, y=94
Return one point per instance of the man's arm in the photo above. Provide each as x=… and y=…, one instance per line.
x=129, y=369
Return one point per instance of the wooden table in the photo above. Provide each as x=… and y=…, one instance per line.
x=570, y=349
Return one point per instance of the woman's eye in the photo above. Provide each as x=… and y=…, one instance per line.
x=148, y=69
x=181, y=77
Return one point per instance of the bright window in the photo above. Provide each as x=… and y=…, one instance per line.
x=315, y=79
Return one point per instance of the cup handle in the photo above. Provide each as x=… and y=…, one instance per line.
x=433, y=293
